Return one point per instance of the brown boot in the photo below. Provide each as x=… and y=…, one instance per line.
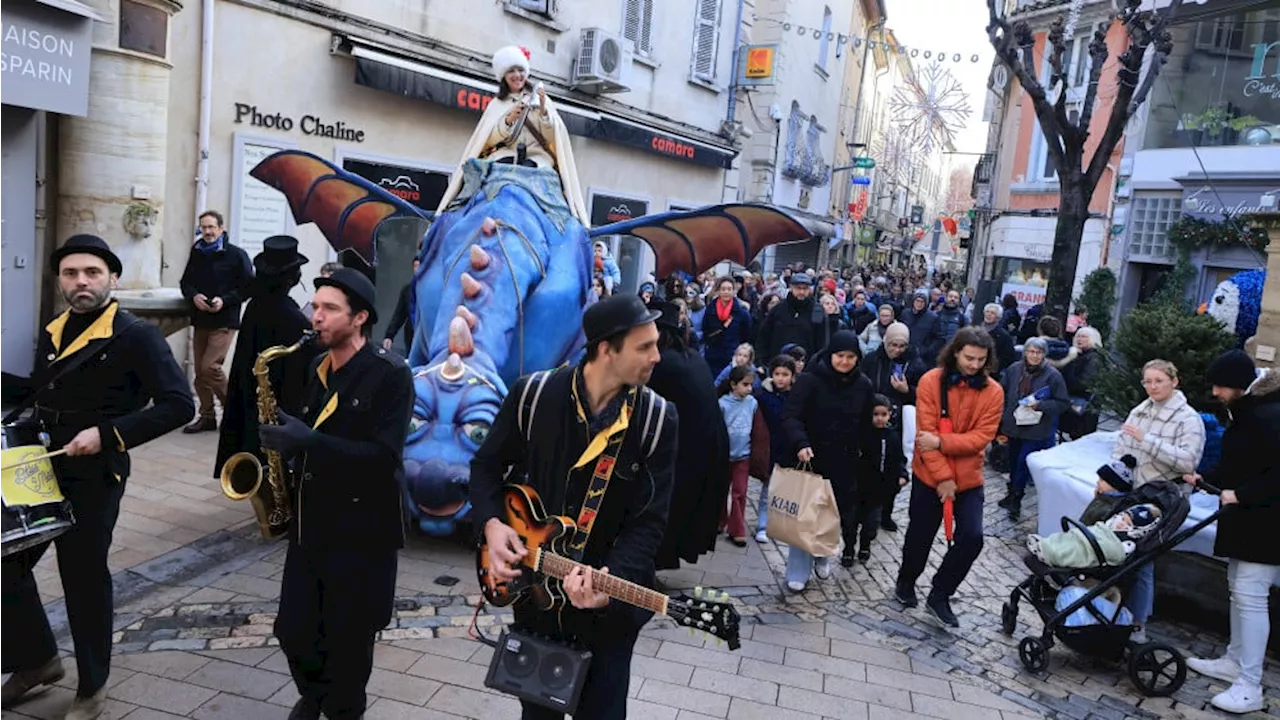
x=26, y=684
x=87, y=708
x=201, y=424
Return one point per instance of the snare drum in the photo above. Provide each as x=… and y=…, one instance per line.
x=35, y=510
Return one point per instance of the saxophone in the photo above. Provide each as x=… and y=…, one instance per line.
x=241, y=474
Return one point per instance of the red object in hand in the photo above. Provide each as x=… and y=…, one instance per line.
x=949, y=520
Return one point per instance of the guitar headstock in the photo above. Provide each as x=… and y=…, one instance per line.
x=709, y=611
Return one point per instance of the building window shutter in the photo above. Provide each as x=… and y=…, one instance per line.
x=823, y=44
x=542, y=7
x=637, y=24
x=706, y=36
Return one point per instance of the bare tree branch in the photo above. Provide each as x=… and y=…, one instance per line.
x=1098, y=55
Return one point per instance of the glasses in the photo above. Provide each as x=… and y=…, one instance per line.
x=1157, y=381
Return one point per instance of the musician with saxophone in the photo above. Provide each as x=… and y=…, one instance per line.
x=598, y=447
x=345, y=530
x=271, y=318
x=104, y=383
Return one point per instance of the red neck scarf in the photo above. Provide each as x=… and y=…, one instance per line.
x=724, y=309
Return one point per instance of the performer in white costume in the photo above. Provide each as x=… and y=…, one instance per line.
x=521, y=126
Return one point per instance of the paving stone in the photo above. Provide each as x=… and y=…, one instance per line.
x=764, y=691
x=869, y=693
x=172, y=665
x=788, y=638
x=781, y=674
x=405, y=688
x=686, y=698
x=150, y=714
x=387, y=709
x=390, y=657
x=650, y=711
x=666, y=670
x=870, y=655
x=234, y=678
x=473, y=703
x=849, y=669
x=161, y=693
x=226, y=706
x=449, y=671
x=906, y=681
x=698, y=657
x=741, y=709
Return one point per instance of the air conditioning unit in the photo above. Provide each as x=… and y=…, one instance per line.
x=603, y=63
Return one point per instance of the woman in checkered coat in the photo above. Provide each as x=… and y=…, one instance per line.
x=1166, y=435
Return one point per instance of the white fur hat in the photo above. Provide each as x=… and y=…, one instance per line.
x=509, y=57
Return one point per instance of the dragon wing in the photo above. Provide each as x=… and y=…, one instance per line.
x=695, y=240
x=347, y=208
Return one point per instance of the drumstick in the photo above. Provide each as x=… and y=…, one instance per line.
x=36, y=458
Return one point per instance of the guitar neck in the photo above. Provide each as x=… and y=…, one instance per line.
x=559, y=567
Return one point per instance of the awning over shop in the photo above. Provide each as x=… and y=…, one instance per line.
x=408, y=78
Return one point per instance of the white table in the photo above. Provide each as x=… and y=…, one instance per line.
x=1066, y=475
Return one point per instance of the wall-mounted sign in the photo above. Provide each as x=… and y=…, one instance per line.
x=307, y=124
x=422, y=188
x=607, y=209
x=757, y=64
x=1212, y=202
x=1259, y=81
x=44, y=61
x=259, y=210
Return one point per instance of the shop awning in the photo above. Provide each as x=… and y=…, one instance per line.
x=409, y=78
x=75, y=8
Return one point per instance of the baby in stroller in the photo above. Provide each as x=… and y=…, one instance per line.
x=1116, y=522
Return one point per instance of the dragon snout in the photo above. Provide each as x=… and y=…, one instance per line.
x=437, y=488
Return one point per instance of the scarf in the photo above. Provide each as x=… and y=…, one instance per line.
x=1029, y=373
x=724, y=309
x=210, y=248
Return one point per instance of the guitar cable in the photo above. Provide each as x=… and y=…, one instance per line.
x=474, y=630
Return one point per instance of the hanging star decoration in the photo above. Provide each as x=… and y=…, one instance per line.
x=1073, y=18
x=931, y=105
x=898, y=152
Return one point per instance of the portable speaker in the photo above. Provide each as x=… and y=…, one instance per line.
x=539, y=671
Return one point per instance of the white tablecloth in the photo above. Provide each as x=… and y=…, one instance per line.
x=1066, y=475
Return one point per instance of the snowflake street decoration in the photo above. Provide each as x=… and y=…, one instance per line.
x=932, y=106
x=1073, y=18
x=898, y=153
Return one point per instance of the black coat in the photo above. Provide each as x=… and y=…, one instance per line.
x=1080, y=372
x=878, y=367
x=1246, y=531
x=861, y=317
x=632, y=517
x=349, y=492
x=881, y=465
x=400, y=318
x=789, y=322
x=926, y=331
x=718, y=340
x=225, y=274
x=701, y=480
x=269, y=319
x=1006, y=353
x=827, y=412
x=133, y=391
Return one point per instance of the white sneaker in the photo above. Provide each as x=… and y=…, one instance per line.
x=822, y=567
x=795, y=586
x=1239, y=698
x=1223, y=668
x=1139, y=637
x=762, y=537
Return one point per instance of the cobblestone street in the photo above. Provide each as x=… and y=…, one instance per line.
x=194, y=632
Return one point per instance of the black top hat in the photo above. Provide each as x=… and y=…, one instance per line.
x=357, y=287
x=615, y=314
x=279, y=255
x=670, y=317
x=90, y=244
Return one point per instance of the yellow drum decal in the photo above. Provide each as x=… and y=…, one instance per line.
x=33, y=483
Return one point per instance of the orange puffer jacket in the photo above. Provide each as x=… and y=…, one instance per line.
x=975, y=415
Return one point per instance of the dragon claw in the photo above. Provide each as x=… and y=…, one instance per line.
x=470, y=286
x=479, y=258
x=489, y=226
x=460, y=340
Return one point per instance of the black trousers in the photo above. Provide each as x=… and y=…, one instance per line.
x=332, y=605
x=604, y=694
x=82, y=562
x=924, y=518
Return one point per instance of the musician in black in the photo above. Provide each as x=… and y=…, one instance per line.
x=594, y=419
x=340, y=571
x=105, y=382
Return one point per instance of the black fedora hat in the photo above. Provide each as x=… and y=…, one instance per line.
x=615, y=314
x=357, y=287
x=279, y=254
x=670, y=317
x=89, y=244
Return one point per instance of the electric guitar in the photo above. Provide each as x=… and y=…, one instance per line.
x=547, y=563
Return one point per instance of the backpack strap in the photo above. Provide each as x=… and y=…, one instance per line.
x=654, y=418
x=529, y=402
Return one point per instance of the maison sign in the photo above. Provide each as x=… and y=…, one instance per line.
x=44, y=61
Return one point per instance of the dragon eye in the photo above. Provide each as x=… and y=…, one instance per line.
x=416, y=423
x=476, y=432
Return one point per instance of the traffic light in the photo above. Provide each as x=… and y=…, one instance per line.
x=917, y=214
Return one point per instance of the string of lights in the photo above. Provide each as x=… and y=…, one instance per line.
x=856, y=41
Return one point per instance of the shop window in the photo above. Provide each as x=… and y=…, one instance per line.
x=545, y=8
x=637, y=25
x=1152, y=217
x=143, y=28
x=706, y=40
x=1221, y=85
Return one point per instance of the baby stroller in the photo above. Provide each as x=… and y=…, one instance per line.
x=1156, y=669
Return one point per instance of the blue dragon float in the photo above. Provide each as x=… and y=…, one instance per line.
x=499, y=291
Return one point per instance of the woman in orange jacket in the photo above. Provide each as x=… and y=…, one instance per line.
x=948, y=465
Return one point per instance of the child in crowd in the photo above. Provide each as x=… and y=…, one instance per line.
x=739, y=409
x=797, y=353
x=745, y=354
x=883, y=473
x=770, y=397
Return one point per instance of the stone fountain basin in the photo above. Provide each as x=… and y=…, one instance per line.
x=165, y=308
